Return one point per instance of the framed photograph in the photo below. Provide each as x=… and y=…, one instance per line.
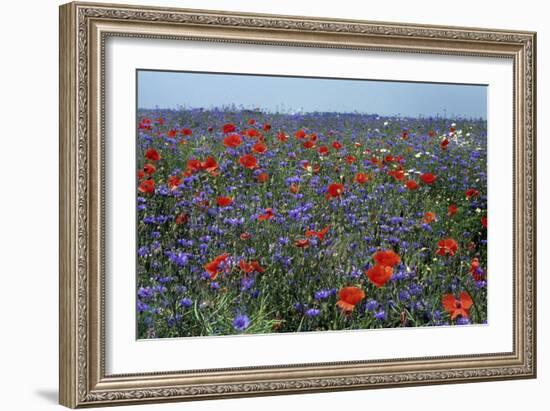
x=259, y=204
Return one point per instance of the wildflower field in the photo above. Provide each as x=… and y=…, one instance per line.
x=256, y=222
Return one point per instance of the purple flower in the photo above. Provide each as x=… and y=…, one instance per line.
x=312, y=312
x=380, y=315
x=322, y=294
x=371, y=305
x=145, y=292
x=241, y=322
x=186, y=302
x=141, y=306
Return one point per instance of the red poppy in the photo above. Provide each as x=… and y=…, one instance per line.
x=350, y=159
x=140, y=174
x=308, y=144
x=266, y=127
x=229, y=128
x=267, y=215
x=224, y=201
x=374, y=160
x=457, y=306
x=379, y=274
x=447, y=246
x=399, y=174
x=149, y=168
x=250, y=267
x=471, y=192
x=245, y=236
x=172, y=133
x=282, y=136
x=302, y=243
x=452, y=210
x=262, y=177
x=386, y=257
x=187, y=132
x=259, y=148
x=213, y=267
x=405, y=135
x=444, y=143
x=210, y=129
x=160, y=121
x=252, y=133
x=323, y=150
x=300, y=134
x=428, y=178
x=319, y=234
x=251, y=122
x=193, y=166
x=182, y=218
x=349, y=297
x=475, y=269
x=152, y=154
x=484, y=221
x=336, y=145
x=431, y=133
x=428, y=217
x=145, y=124
x=248, y=161
x=411, y=185
x=294, y=188
x=209, y=165
x=232, y=140
x=388, y=159
x=147, y=186
x=313, y=137
x=174, y=182
x=361, y=178
x=334, y=190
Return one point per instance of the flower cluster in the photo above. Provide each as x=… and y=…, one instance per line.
x=253, y=222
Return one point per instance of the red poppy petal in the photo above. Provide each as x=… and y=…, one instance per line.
x=466, y=300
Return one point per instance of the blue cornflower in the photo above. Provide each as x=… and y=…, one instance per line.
x=247, y=282
x=380, y=315
x=404, y=295
x=186, y=302
x=145, y=292
x=463, y=321
x=312, y=312
x=371, y=305
x=322, y=294
x=141, y=306
x=143, y=251
x=241, y=322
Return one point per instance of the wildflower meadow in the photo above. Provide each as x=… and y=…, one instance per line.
x=251, y=221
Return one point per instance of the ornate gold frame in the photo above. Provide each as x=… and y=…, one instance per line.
x=83, y=30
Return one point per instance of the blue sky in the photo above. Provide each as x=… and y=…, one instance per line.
x=162, y=89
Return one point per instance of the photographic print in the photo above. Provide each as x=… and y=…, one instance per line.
x=273, y=204
x=319, y=185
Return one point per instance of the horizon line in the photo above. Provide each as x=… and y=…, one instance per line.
x=302, y=112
